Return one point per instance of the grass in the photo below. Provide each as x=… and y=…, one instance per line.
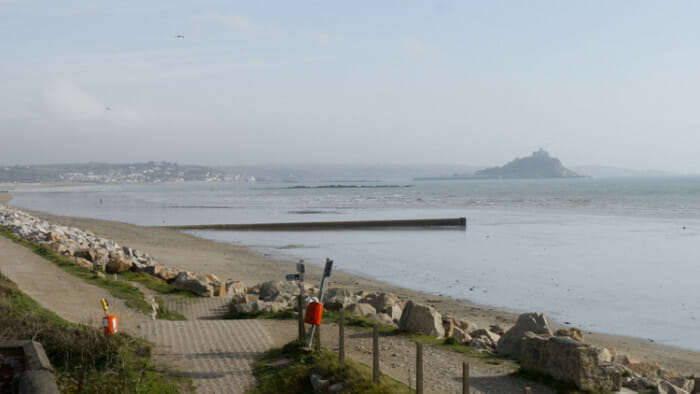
x=132, y=296
x=290, y=368
x=85, y=361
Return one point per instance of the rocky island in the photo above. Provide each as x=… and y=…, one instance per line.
x=539, y=165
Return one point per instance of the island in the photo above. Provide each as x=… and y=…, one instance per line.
x=539, y=165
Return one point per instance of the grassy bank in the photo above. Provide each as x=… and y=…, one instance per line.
x=289, y=370
x=84, y=360
x=121, y=289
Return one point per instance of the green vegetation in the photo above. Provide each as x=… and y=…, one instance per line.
x=132, y=296
x=85, y=361
x=291, y=367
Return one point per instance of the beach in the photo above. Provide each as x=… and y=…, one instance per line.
x=236, y=262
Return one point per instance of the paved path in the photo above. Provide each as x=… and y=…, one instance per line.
x=216, y=354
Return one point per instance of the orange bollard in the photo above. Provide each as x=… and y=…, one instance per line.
x=314, y=312
x=110, y=325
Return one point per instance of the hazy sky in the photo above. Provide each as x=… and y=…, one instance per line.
x=382, y=82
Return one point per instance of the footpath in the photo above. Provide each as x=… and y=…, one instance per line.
x=215, y=354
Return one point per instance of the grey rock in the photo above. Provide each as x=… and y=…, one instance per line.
x=423, y=319
x=569, y=360
x=188, y=282
x=318, y=383
x=509, y=344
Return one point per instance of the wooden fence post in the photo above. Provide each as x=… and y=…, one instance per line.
x=419, y=368
x=300, y=312
x=465, y=378
x=341, y=335
x=317, y=338
x=375, y=363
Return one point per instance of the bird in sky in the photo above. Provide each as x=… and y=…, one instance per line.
x=179, y=36
x=108, y=109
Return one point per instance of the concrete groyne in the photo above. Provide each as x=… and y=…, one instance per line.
x=449, y=223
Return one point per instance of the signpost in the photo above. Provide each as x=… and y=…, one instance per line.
x=326, y=273
x=293, y=277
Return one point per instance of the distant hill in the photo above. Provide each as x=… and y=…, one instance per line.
x=108, y=173
x=539, y=165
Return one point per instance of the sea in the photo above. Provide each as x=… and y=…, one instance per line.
x=619, y=256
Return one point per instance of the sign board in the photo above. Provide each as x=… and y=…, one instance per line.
x=327, y=269
x=300, y=268
x=291, y=277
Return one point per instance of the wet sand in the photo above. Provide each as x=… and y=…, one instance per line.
x=227, y=261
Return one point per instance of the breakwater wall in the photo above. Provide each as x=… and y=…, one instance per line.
x=449, y=223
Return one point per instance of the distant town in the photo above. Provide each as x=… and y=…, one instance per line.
x=151, y=172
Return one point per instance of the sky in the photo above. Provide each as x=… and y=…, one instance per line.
x=477, y=83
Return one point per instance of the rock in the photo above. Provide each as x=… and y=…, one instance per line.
x=235, y=287
x=465, y=325
x=509, y=344
x=640, y=383
x=682, y=383
x=167, y=274
x=645, y=369
x=362, y=309
x=482, y=345
x=336, y=388
x=117, y=264
x=220, y=290
x=383, y=301
x=127, y=251
x=337, y=298
x=318, y=383
x=461, y=336
x=270, y=290
x=448, y=324
x=243, y=299
x=423, y=319
x=573, y=333
x=188, y=282
x=395, y=312
x=696, y=385
x=84, y=263
x=493, y=338
x=87, y=254
x=566, y=359
x=384, y=319
x=665, y=387
x=496, y=329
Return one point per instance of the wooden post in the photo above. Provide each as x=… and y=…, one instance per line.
x=465, y=378
x=527, y=390
x=302, y=329
x=375, y=361
x=341, y=335
x=317, y=338
x=419, y=368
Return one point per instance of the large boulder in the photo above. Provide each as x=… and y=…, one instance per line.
x=382, y=302
x=665, y=387
x=361, y=309
x=271, y=290
x=117, y=264
x=337, y=298
x=571, y=361
x=87, y=254
x=189, y=282
x=423, y=319
x=235, y=287
x=509, y=344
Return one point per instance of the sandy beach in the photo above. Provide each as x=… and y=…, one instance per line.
x=227, y=261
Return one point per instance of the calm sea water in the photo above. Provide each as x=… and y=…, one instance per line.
x=612, y=255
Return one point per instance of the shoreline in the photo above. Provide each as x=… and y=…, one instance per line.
x=228, y=261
